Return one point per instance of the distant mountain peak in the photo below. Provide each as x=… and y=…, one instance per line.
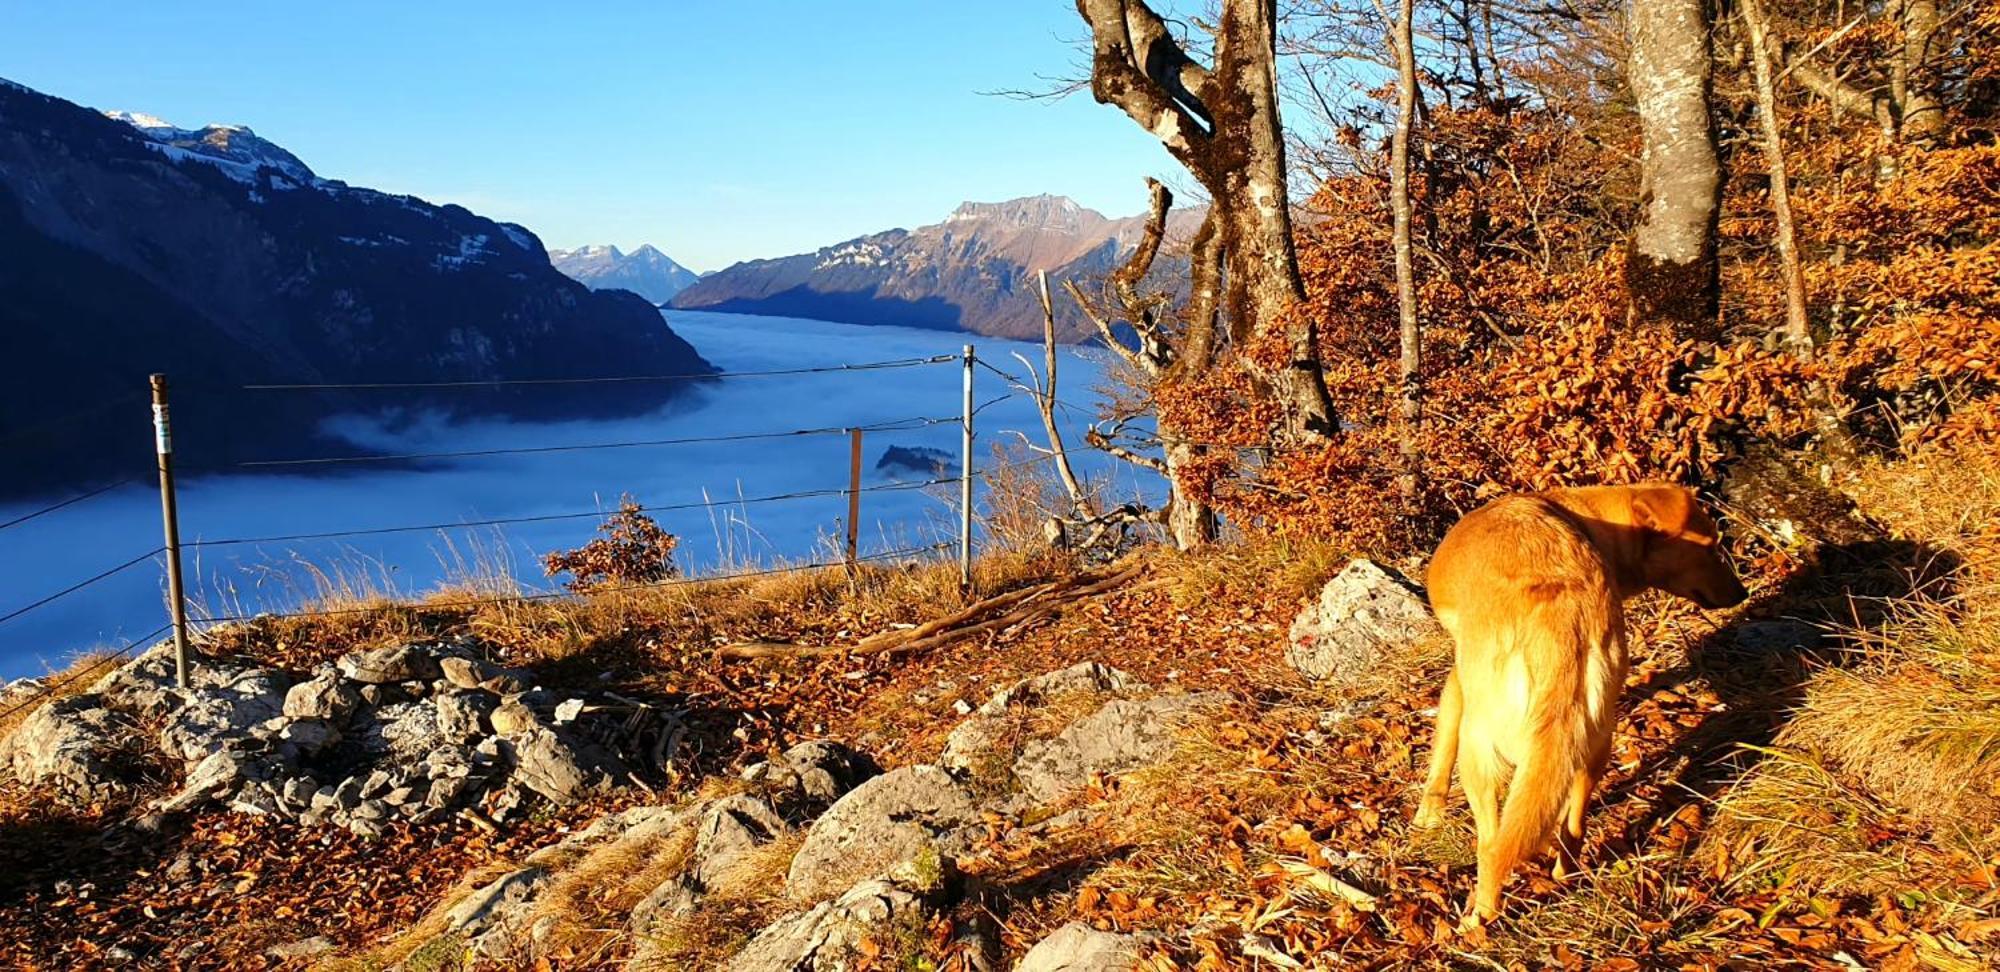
x=974, y=270
x=644, y=271
x=140, y=120
x=225, y=145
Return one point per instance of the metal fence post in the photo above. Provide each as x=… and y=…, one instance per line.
x=965, y=484
x=163, y=447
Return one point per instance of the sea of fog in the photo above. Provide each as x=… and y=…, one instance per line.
x=46, y=555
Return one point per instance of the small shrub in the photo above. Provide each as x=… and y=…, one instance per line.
x=633, y=550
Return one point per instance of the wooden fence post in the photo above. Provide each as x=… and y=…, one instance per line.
x=853, y=500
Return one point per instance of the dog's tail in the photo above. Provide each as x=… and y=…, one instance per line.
x=1566, y=634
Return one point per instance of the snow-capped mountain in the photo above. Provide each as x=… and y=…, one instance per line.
x=974, y=271
x=644, y=271
x=134, y=246
x=222, y=145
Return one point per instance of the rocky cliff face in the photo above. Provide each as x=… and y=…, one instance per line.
x=219, y=258
x=644, y=271
x=973, y=272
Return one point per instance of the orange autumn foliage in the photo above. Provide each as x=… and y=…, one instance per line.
x=1532, y=378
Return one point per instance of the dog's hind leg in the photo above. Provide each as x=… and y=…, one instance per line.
x=1484, y=773
x=1444, y=753
x=1570, y=842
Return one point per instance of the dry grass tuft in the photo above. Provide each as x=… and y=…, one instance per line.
x=591, y=902
x=1636, y=906
x=1891, y=760
x=746, y=897
x=1294, y=567
x=1793, y=823
x=1924, y=734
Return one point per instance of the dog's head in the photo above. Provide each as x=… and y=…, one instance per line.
x=1679, y=552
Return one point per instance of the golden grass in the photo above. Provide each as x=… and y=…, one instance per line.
x=1890, y=761
x=80, y=674
x=745, y=897
x=591, y=902
x=1294, y=567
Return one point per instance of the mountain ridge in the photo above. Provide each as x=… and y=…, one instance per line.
x=645, y=271
x=973, y=271
x=219, y=258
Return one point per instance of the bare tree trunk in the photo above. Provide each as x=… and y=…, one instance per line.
x=1045, y=397
x=1411, y=412
x=1798, y=331
x=1910, y=77
x=1670, y=272
x=1164, y=355
x=1190, y=523
x=1223, y=125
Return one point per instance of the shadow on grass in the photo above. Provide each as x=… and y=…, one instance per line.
x=1760, y=663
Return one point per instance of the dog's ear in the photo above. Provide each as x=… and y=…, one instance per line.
x=1661, y=509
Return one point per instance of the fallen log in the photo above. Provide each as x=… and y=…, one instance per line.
x=1017, y=607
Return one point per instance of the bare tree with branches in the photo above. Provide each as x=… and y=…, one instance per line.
x=1161, y=353
x=1221, y=122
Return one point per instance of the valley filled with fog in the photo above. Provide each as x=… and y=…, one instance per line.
x=719, y=532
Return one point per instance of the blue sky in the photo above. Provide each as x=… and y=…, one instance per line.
x=719, y=131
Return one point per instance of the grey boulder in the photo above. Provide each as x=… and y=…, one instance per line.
x=909, y=814
x=383, y=666
x=1077, y=947
x=1123, y=735
x=1359, y=616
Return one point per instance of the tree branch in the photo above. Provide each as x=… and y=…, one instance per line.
x=1137, y=67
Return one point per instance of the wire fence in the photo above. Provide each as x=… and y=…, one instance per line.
x=169, y=555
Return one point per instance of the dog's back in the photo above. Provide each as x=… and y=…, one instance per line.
x=1533, y=605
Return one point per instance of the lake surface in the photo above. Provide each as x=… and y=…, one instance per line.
x=719, y=531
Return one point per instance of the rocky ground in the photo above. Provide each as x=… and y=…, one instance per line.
x=1211, y=766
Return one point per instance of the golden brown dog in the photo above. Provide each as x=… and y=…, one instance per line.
x=1531, y=588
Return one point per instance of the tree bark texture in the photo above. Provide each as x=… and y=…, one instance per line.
x=1671, y=272
x=1223, y=124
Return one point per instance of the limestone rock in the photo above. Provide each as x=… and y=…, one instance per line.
x=465, y=673
x=513, y=717
x=462, y=715
x=551, y=764
x=489, y=917
x=980, y=748
x=322, y=697
x=383, y=666
x=304, y=948
x=1359, y=614
x=815, y=773
x=63, y=744
x=1077, y=947
x=309, y=735
x=903, y=815
x=1082, y=677
x=729, y=828
x=828, y=937
x=1123, y=735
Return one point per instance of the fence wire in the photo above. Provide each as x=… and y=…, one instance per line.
x=898, y=425
x=80, y=585
x=553, y=517
x=72, y=501
x=603, y=380
x=905, y=424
